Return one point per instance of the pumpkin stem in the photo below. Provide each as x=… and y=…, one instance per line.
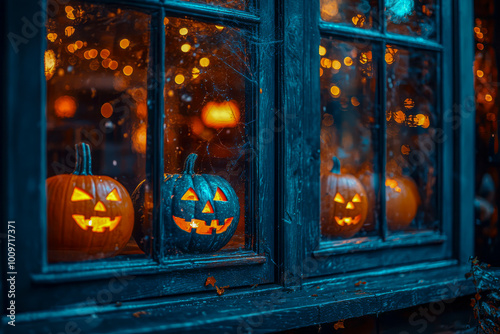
x=336, y=166
x=83, y=160
x=189, y=164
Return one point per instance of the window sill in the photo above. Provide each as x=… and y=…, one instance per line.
x=84, y=271
x=267, y=308
x=328, y=248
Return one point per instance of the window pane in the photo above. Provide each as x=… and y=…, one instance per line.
x=206, y=67
x=358, y=13
x=412, y=139
x=348, y=100
x=412, y=17
x=235, y=4
x=96, y=67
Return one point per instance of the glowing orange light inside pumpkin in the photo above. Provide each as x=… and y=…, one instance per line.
x=190, y=195
x=356, y=198
x=225, y=114
x=113, y=196
x=219, y=27
x=100, y=207
x=124, y=43
x=339, y=198
x=80, y=195
x=65, y=106
x=219, y=196
x=208, y=208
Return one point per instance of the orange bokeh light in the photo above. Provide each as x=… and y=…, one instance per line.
x=217, y=115
x=65, y=106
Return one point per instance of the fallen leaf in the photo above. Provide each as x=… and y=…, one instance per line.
x=315, y=295
x=138, y=314
x=359, y=283
x=220, y=291
x=210, y=280
x=339, y=324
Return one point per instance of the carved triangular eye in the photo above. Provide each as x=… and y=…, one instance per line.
x=113, y=196
x=80, y=195
x=356, y=198
x=219, y=195
x=190, y=195
x=338, y=198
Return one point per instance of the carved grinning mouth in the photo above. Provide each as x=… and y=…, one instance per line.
x=201, y=225
x=348, y=220
x=97, y=224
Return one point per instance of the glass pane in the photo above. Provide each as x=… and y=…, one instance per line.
x=96, y=66
x=412, y=139
x=487, y=157
x=206, y=67
x=235, y=4
x=348, y=100
x=412, y=17
x=358, y=13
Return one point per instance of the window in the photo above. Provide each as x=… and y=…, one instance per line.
x=383, y=169
x=322, y=135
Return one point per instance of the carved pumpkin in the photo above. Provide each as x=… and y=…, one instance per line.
x=402, y=201
x=201, y=211
x=344, y=203
x=88, y=216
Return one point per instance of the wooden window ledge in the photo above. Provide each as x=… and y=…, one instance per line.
x=261, y=309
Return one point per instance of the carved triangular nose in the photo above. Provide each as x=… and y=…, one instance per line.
x=208, y=208
x=350, y=205
x=100, y=206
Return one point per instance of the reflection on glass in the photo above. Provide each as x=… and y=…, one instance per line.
x=412, y=138
x=96, y=70
x=412, y=17
x=235, y=4
x=348, y=99
x=358, y=13
x=205, y=70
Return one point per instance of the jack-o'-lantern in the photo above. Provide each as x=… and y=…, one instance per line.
x=402, y=201
x=344, y=203
x=89, y=216
x=201, y=211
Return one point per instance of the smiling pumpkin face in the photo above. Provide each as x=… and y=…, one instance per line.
x=200, y=211
x=89, y=216
x=344, y=204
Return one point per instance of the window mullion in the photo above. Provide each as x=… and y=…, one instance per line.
x=382, y=139
x=156, y=82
